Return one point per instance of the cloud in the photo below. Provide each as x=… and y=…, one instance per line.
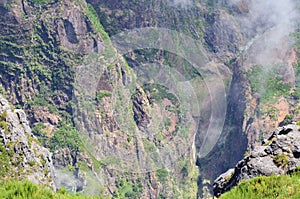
x=182, y=3
x=263, y=15
x=267, y=26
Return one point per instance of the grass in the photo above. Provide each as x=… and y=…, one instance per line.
x=162, y=175
x=286, y=186
x=25, y=190
x=92, y=14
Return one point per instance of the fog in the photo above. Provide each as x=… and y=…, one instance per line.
x=267, y=26
x=266, y=14
x=181, y=3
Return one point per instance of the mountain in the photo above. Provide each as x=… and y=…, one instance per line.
x=149, y=99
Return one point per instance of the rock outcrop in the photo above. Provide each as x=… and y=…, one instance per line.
x=140, y=105
x=22, y=156
x=279, y=155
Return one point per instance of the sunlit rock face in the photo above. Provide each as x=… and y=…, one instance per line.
x=278, y=155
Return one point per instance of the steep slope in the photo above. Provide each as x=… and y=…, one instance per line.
x=47, y=62
x=22, y=157
x=119, y=126
x=262, y=91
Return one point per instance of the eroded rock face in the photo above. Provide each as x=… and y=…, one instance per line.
x=27, y=159
x=140, y=106
x=222, y=34
x=278, y=155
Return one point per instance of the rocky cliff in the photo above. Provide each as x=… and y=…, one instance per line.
x=22, y=156
x=118, y=120
x=278, y=155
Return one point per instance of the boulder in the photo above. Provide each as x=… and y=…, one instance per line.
x=279, y=155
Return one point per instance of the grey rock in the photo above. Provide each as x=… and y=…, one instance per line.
x=285, y=140
x=30, y=160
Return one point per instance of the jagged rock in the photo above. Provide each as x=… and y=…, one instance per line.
x=28, y=159
x=63, y=157
x=222, y=34
x=279, y=155
x=141, y=109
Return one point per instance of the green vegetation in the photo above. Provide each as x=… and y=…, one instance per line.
x=160, y=92
x=296, y=93
x=128, y=189
x=92, y=14
x=4, y=161
x=296, y=35
x=269, y=142
x=3, y=123
x=267, y=83
x=149, y=146
x=288, y=119
x=41, y=2
x=101, y=94
x=65, y=136
x=26, y=189
x=281, y=160
x=162, y=175
x=279, y=187
x=272, y=113
x=39, y=131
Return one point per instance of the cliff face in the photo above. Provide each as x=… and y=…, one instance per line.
x=22, y=157
x=115, y=122
x=62, y=86
x=278, y=155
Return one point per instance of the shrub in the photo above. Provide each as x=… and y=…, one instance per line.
x=286, y=186
x=101, y=94
x=4, y=161
x=25, y=189
x=267, y=83
x=162, y=175
x=31, y=163
x=93, y=17
x=65, y=137
x=128, y=189
x=4, y=125
x=39, y=131
x=281, y=160
x=288, y=119
x=3, y=116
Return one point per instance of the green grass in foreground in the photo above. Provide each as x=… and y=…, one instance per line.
x=286, y=186
x=29, y=190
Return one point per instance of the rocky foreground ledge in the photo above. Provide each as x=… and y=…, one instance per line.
x=21, y=155
x=279, y=155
